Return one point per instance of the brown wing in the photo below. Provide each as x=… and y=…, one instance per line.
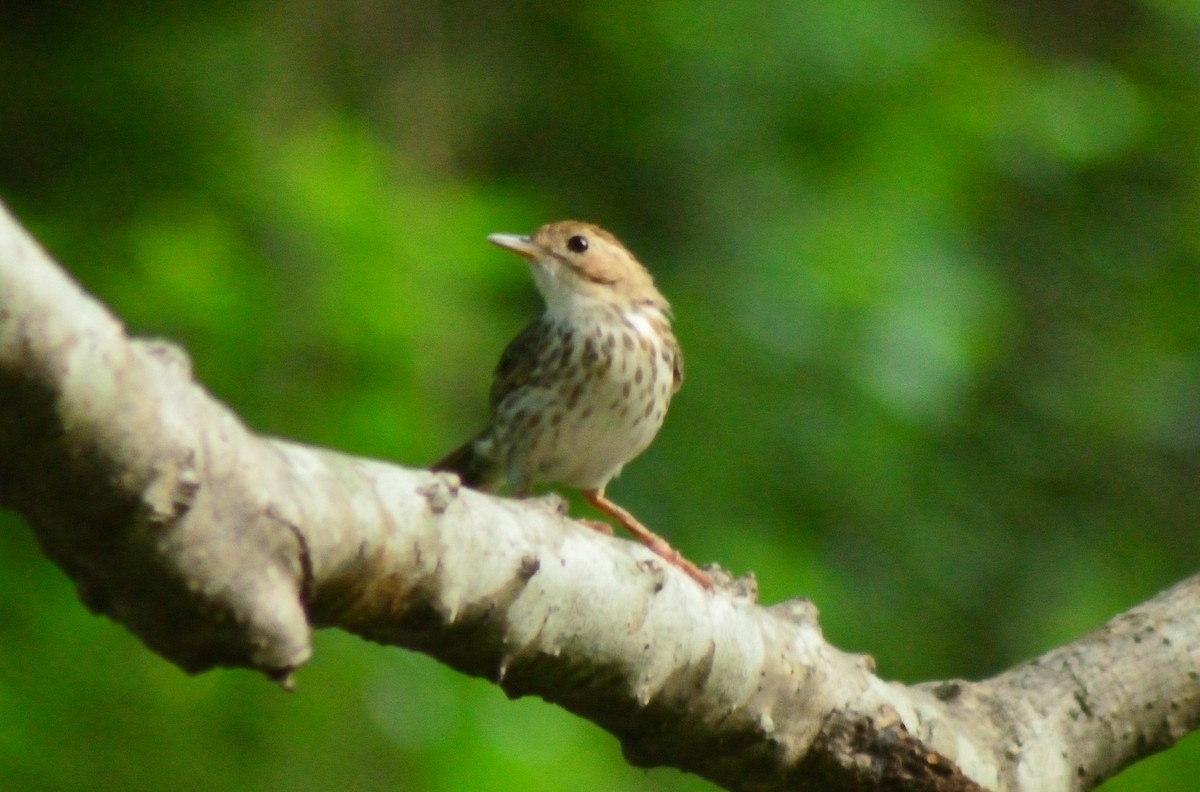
x=518, y=363
x=677, y=364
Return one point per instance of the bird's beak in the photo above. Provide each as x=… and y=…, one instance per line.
x=521, y=245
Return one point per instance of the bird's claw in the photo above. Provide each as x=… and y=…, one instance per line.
x=597, y=525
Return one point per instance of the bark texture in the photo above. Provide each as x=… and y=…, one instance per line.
x=218, y=547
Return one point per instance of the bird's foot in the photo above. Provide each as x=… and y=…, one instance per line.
x=597, y=525
x=673, y=556
x=656, y=543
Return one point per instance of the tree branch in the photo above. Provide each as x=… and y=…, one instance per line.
x=218, y=547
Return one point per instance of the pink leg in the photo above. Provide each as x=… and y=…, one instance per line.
x=647, y=537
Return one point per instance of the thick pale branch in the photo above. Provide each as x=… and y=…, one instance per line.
x=1082, y=712
x=219, y=547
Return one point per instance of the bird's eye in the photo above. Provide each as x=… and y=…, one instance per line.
x=577, y=244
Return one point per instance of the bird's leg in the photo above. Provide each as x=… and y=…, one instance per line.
x=652, y=540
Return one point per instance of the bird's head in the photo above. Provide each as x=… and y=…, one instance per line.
x=575, y=264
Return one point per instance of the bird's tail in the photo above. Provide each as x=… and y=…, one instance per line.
x=476, y=468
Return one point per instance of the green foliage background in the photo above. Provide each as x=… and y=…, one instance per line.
x=934, y=267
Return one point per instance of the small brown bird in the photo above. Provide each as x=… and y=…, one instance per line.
x=583, y=389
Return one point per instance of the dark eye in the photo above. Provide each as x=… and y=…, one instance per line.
x=577, y=244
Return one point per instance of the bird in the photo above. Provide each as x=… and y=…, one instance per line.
x=584, y=388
